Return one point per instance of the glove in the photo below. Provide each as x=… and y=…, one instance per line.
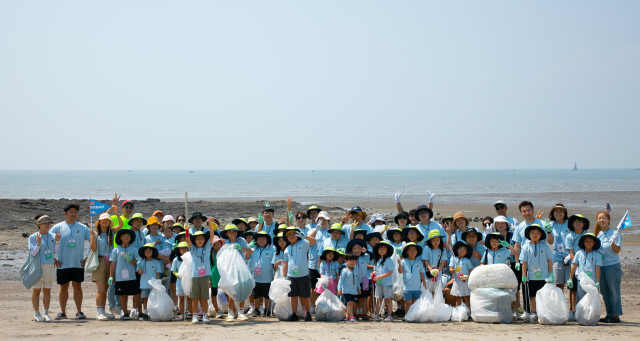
x=260, y=219
x=567, y=260
x=504, y=243
x=291, y=219
x=431, y=196
x=570, y=283
x=525, y=279
x=399, y=251
x=551, y=279
x=110, y=281
x=139, y=262
x=398, y=195
x=127, y=256
x=435, y=272
x=237, y=247
x=598, y=285
x=518, y=266
x=615, y=237
x=252, y=244
x=301, y=235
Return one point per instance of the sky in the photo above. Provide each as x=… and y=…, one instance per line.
x=164, y=85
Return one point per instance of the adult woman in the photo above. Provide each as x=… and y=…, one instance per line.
x=611, y=272
x=102, y=243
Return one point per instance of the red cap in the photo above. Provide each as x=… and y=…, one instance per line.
x=127, y=202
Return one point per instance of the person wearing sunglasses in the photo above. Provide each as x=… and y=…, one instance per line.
x=501, y=210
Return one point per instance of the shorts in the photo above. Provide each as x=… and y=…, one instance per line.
x=313, y=277
x=261, y=290
x=534, y=286
x=349, y=298
x=300, y=286
x=384, y=291
x=173, y=279
x=460, y=289
x=64, y=276
x=575, y=284
x=561, y=272
x=46, y=280
x=101, y=274
x=411, y=295
x=364, y=294
x=199, y=288
x=518, y=274
x=144, y=293
x=214, y=292
x=128, y=288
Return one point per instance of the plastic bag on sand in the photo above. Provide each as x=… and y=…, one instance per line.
x=421, y=309
x=283, y=308
x=551, y=305
x=223, y=304
x=499, y=276
x=441, y=311
x=184, y=272
x=490, y=305
x=460, y=313
x=396, y=277
x=235, y=278
x=278, y=288
x=160, y=305
x=588, y=309
x=329, y=307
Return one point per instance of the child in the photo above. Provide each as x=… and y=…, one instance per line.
x=217, y=244
x=197, y=219
x=537, y=266
x=136, y=222
x=177, y=228
x=412, y=234
x=349, y=286
x=260, y=266
x=124, y=259
x=230, y=236
x=460, y=267
x=296, y=268
x=155, y=237
x=394, y=237
x=587, y=260
x=165, y=247
x=182, y=248
x=330, y=268
x=498, y=250
x=382, y=277
x=148, y=268
x=412, y=273
x=200, y=250
x=434, y=258
x=280, y=244
x=358, y=248
x=472, y=237
x=44, y=245
x=561, y=258
x=359, y=234
x=372, y=239
x=401, y=219
x=578, y=225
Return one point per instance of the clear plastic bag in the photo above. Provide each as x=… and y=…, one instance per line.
x=551, y=306
x=460, y=313
x=499, y=276
x=421, y=309
x=396, y=277
x=441, y=311
x=283, y=308
x=160, y=305
x=184, y=272
x=329, y=307
x=278, y=288
x=491, y=305
x=235, y=278
x=588, y=309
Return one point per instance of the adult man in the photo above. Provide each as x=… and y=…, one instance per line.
x=71, y=259
x=501, y=210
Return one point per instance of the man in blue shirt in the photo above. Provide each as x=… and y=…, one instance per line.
x=71, y=259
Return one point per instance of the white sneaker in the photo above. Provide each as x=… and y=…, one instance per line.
x=524, y=316
x=515, y=315
x=37, y=317
x=205, y=318
x=533, y=318
x=230, y=317
x=194, y=319
x=46, y=317
x=252, y=312
x=133, y=314
x=101, y=317
x=242, y=317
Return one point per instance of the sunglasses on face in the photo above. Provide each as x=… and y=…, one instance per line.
x=128, y=207
x=500, y=207
x=300, y=218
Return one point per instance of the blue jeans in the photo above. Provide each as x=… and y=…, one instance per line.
x=610, y=278
x=114, y=300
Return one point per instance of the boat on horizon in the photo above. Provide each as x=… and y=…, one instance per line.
x=575, y=166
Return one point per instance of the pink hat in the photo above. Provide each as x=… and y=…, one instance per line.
x=217, y=239
x=168, y=217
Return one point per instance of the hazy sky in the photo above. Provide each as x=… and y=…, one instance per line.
x=319, y=84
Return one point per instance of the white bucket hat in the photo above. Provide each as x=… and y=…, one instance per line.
x=500, y=219
x=324, y=214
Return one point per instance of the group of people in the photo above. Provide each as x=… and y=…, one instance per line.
x=359, y=258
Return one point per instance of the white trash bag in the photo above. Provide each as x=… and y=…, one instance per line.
x=160, y=305
x=551, y=306
x=491, y=305
x=499, y=276
x=328, y=305
x=441, y=311
x=283, y=308
x=184, y=272
x=278, y=288
x=235, y=278
x=588, y=309
x=421, y=309
x=460, y=313
x=396, y=278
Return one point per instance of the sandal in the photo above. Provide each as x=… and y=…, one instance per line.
x=60, y=316
x=352, y=319
x=80, y=316
x=388, y=319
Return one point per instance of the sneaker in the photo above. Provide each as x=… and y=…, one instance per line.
x=37, y=317
x=515, y=315
x=46, y=317
x=61, y=316
x=188, y=315
x=524, y=317
x=242, y=317
x=133, y=314
x=364, y=317
x=205, y=319
x=80, y=316
x=109, y=316
x=101, y=317
x=376, y=318
x=307, y=317
x=352, y=319
x=230, y=318
x=143, y=317
x=252, y=312
x=115, y=310
x=572, y=316
x=124, y=317
x=533, y=318
x=219, y=315
x=294, y=317
x=178, y=318
x=388, y=319
x=194, y=320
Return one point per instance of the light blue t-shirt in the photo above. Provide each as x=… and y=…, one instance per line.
x=201, y=261
x=609, y=257
x=103, y=244
x=47, y=247
x=149, y=271
x=270, y=229
x=571, y=241
x=361, y=268
x=536, y=256
x=166, y=243
x=297, y=259
x=260, y=264
x=560, y=233
x=203, y=228
x=587, y=263
x=139, y=241
x=315, y=249
x=71, y=249
x=434, y=257
x=425, y=229
x=331, y=270
x=411, y=270
x=152, y=239
x=175, y=267
x=349, y=282
x=347, y=230
x=499, y=256
x=125, y=271
x=481, y=249
x=339, y=244
x=518, y=234
x=464, y=264
x=383, y=268
x=242, y=242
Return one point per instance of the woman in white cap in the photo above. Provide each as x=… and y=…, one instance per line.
x=44, y=245
x=102, y=243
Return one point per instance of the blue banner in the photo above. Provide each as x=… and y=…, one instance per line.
x=97, y=207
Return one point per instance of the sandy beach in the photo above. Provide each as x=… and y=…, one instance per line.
x=16, y=215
